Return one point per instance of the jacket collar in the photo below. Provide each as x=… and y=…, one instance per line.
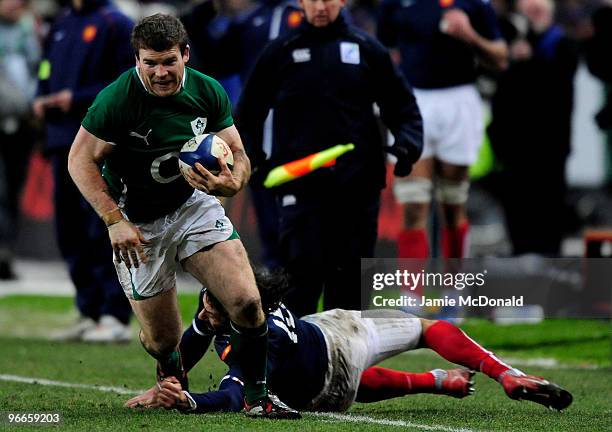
x=329, y=31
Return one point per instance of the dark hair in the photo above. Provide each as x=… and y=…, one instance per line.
x=272, y=285
x=159, y=32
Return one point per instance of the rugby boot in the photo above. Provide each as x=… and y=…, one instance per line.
x=520, y=386
x=454, y=382
x=271, y=407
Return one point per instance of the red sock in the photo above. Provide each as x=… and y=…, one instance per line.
x=456, y=347
x=454, y=241
x=379, y=383
x=412, y=243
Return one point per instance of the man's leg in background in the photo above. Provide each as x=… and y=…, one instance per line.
x=84, y=244
x=71, y=225
x=304, y=254
x=452, y=194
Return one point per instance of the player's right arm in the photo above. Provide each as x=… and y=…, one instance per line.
x=493, y=53
x=86, y=155
x=169, y=394
x=228, y=398
x=196, y=339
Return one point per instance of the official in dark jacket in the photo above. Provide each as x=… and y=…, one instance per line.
x=322, y=81
x=87, y=48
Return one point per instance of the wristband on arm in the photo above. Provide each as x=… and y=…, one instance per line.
x=112, y=217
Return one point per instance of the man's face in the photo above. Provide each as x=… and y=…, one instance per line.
x=540, y=13
x=162, y=71
x=11, y=10
x=321, y=13
x=215, y=319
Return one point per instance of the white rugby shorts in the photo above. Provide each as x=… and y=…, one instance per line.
x=354, y=344
x=198, y=223
x=453, y=123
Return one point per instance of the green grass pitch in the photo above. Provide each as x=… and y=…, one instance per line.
x=576, y=354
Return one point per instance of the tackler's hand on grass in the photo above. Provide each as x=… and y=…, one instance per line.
x=171, y=394
x=167, y=394
x=147, y=399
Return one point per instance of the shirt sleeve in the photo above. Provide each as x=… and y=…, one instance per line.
x=103, y=118
x=195, y=341
x=229, y=397
x=485, y=22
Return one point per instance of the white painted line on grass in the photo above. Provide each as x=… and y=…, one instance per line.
x=539, y=362
x=549, y=363
x=385, y=422
x=330, y=416
x=46, y=382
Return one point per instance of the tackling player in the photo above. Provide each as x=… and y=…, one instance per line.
x=155, y=219
x=323, y=362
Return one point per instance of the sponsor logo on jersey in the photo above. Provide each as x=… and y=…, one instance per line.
x=145, y=138
x=89, y=33
x=198, y=125
x=349, y=53
x=301, y=55
x=219, y=224
x=294, y=19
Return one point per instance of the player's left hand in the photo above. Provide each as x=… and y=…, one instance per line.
x=223, y=184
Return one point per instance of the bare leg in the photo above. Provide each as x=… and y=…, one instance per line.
x=160, y=321
x=417, y=213
x=225, y=270
x=454, y=214
x=414, y=192
x=161, y=324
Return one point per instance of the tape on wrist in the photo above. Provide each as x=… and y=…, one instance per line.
x=112, y=217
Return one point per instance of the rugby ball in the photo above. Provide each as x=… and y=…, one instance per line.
x=205, y=149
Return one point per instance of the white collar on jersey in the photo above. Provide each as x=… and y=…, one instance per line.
x=145, y=87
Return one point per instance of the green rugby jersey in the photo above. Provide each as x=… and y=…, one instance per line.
x=148, y=132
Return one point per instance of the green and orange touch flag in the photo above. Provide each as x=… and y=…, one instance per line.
x=298, y=168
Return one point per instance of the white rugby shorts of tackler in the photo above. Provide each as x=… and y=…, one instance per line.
x=355, y=343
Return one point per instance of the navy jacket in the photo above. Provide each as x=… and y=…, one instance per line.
x=322, y=84
x=86, y=50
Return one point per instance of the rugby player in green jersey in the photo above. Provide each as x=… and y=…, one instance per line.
x=158, y=219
